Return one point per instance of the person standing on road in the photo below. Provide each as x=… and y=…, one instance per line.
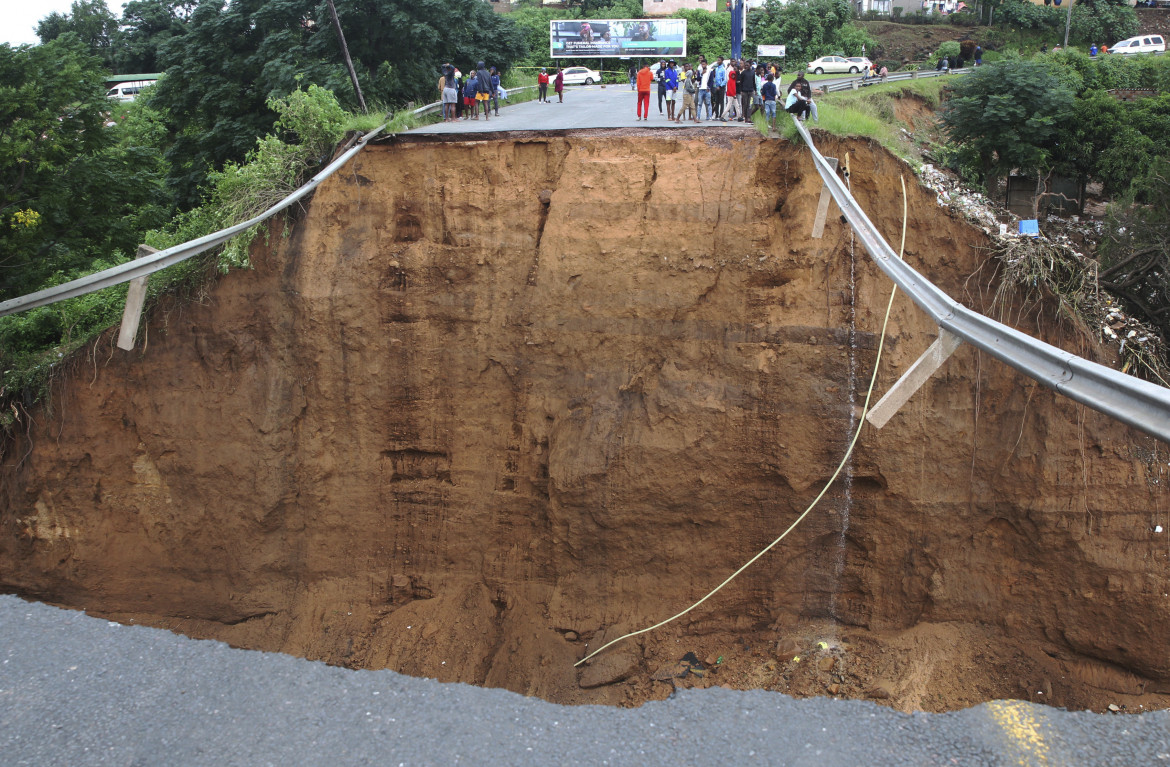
x=689, y=89
x=542, y=86
x=661, y=78
x=718, y=87
x=645, y=78
x=495, y=100
x=671, y=88
x=732, y=99
x=632, y=73
x=470, y=88
x=559, y=85
x=768, y=93
x=704, y=98
x=746, y=88
x=483, y=89
x=447, y=92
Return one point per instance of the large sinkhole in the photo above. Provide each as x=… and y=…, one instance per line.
x=488, y=404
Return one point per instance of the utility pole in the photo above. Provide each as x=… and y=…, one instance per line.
x=348, y=62
x=1068, y=23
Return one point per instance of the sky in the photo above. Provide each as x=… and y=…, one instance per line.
x=21, y=17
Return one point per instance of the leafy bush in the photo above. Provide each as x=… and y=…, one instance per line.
x=1009, y=114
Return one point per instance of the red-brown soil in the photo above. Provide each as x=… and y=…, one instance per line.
x=490, y=403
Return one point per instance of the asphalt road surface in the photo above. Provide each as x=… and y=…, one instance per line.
x=585, y=107
x=76, y=690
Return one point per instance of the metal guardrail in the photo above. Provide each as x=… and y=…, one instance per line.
x=858, y=82
x=161, y=260
x=156, y=262
x=1140, y=404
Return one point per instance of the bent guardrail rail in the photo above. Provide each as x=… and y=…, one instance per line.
x=161, y=260
x=1140, y=404
x=156, y=262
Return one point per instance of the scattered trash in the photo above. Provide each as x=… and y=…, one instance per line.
x=1030, y=227
x=1157, y=528
x=822, y=645
x=1114, y=707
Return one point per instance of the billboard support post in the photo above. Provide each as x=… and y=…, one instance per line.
x=738, y=12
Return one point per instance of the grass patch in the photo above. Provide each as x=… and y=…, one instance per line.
x=869, y=112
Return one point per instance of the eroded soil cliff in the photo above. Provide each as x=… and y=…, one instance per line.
x=491, y=403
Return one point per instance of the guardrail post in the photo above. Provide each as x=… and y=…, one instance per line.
x=823, y=206
x=913, y=379
x=914, y=75
x=853, y=84
x=135, y=298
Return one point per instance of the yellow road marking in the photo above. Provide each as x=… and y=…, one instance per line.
x=1022, y=728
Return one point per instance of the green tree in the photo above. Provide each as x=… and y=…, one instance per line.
x=92, y=23
x=1009, y=114
x=231, y=59
x=147, y=26
x=708, y=33
x=808, y=29
x=1102, y=21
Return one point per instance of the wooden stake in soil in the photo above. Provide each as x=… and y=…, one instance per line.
x=135, y=298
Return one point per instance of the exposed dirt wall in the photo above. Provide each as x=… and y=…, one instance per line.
x=494, y=402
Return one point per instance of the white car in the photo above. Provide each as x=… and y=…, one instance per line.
x=581, y=76
x=1140, y=44
x=833, y=64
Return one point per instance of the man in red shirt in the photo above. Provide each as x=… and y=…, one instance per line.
x=542, y=86
x=645, y=79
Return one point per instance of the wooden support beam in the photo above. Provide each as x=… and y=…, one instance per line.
x=913, y=379
x=135, y=298
x=823, y=205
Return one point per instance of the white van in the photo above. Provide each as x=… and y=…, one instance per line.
x=128, y=91
x=1140, y=44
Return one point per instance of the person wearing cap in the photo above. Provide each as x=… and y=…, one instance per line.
x=542, y=85
x=671, y=78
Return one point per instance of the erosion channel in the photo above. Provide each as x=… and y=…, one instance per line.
x=489, y=403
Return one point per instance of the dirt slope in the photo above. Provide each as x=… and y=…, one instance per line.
x=493, y=402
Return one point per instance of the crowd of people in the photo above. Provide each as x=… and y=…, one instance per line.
x=728, y=90
x=462, y=96
x=733, y=90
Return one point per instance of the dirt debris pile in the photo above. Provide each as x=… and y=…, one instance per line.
x=494, y=402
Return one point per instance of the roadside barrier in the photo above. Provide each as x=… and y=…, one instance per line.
x=156, y=262
x=858, y=82
x=1143, y=405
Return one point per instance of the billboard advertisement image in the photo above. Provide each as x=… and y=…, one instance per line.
x=627, y=38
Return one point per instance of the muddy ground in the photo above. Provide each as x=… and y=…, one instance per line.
x=489, y=404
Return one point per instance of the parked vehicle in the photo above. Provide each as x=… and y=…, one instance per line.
x=862, y=62
x=581, y=76
x=1140, y=44
x=834, y=64
x=128, y=91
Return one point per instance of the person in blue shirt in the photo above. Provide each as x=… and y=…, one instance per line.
x=1093, y=51
x=470, y=87
x=768, y=93
x=495, y=100
x=671, y=79
x=718, y=87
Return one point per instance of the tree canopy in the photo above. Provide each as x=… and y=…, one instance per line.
x=1009, y=115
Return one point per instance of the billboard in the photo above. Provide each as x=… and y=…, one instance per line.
x=611, y=38
x=770, y=50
